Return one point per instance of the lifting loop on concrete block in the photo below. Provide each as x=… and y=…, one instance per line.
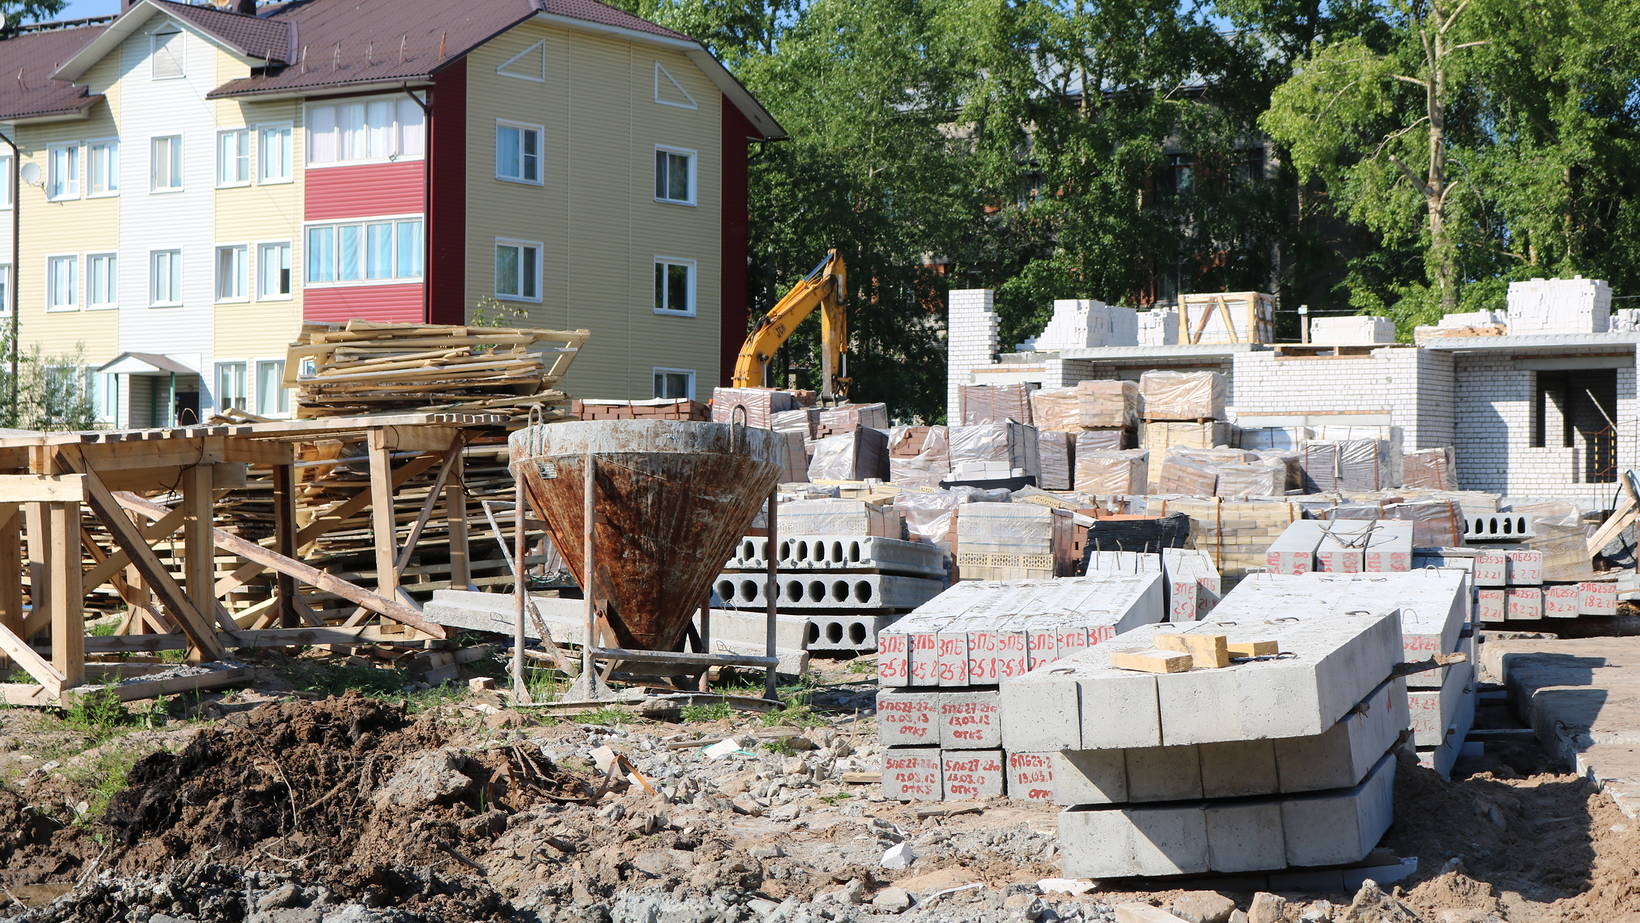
x=737, y=428
x=533, y=423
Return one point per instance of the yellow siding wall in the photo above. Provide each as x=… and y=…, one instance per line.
x=78, y=226
x=259, y=214
x=596, y=213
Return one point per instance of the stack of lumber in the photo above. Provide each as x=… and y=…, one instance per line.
x=365, y=367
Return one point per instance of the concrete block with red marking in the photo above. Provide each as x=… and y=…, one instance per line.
x=1524, y=602
x=1523, y=567
x=893, y=664
x=908, y=718
x=1030, y=775
x=1389, y=548
x=970, y=719
x=1491, y=605
x=1597, y=597
x=1293, y=551
x=912, y=774
x=1343, y=546
x=972, y=774
x=951, y=657
x=1561, y=600
x=1491, y=569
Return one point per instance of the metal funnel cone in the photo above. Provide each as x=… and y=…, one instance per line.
x=673, y=498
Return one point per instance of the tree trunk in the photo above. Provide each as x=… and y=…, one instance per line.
x=1435, y=187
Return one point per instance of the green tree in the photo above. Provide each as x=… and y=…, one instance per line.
x=21, y=12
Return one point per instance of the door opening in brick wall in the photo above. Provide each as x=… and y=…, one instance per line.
x=1576, y=409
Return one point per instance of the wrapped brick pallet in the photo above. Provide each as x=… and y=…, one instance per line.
x=919, y=456
x=1190, y=477
x=1089, y=405
x=1236, y=533
x=1112, y=472
x=801, y=420
x=761, y=405
x=1183, y=395
x=832, y=421
x=994, y=403
x=1163, y=437
x=1054, y=456
x=1253, y=479
x=1349, y=466
x=995, y=450
x=852, y=456
x=1432, y=469
x=840, y=517
x=1435, y=523
x=1102, y=440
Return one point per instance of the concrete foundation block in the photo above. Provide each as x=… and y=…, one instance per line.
x=1435, y=711
x=1235, y=768
x=1163, y=773
x=1598, y=597
x=1442, y=757
x=1089, y=777
x=1030, y=776
x=1562, y=600
x=1492, y=604
x=1245, y=835
x=1524, y=603
x=968, y=774
x=1155, y=840
x=912, y=774
x=1523, y=567
x=1343, y=755
x=1491, y=569
x=1293, y=552
x=1334, y=828
x=1389, y=548
x=1435, y=679
x=906, y=718
x=970, y=720
x=1343, y=547
x=893, y=659
x=838, y=553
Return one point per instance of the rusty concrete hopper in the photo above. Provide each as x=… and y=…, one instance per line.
x=672, y=498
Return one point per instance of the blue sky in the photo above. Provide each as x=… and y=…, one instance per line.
x=79, y=9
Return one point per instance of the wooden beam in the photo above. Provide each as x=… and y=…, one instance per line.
x=11, y=569
x=304, y=573
x=67, y=594
x=455, y=519
x=134, y=689
x=451, y=457
x=382, y=523
x=415, y=438
x=129, y=538
x=41, y=488
x=44, y=671
x=119, y=560
x=284, y=542
x=158, y=453
x=39, y=551
x=199, y=552
x=258, y=452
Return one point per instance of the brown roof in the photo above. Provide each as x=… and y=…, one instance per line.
x=26, y=87
x=342, y=42
x=251, y=36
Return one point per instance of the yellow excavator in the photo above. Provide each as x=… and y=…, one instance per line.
x=825, y=287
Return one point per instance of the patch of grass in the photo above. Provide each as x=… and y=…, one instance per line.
x=781, y=746
x=858, y=666
x=716, y=711
x=428, y=699
x=835, y=799
x=20, y=675
x=98, y=715
x=543, y=685
x=337, y=678
x=105, y=629
x=101, y=779
x=609, y=715
x=173, y=656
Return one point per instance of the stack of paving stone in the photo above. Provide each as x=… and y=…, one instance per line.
x=938, y=672
x=1436, y=622
x=847, y=587
x=1014, y=541
x=1267, y=763
x=1342, y=546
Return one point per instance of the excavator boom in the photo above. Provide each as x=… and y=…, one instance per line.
x=822, y=288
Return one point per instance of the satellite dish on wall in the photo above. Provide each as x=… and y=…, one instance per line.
x=31, y=174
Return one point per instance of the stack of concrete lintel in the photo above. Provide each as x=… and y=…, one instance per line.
x=1344, y=546
x=1435, y=607
x=1191, y=583
x=940, y=668
x=1268, y=763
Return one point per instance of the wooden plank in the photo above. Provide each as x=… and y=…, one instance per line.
x=1151, y=661
x=304, y=573
x=67, y=594
x=199, y=553
x=249, y=638
x=455, y=519
x=129, y=538
x=382, y=524
x=11, y=569
x=685, y=657
x=38, y=531
x=257, y=451
x=119, y=560
x=44, y=671
x=158, y=453
x=28, y=694
x=41, y=488
x=131, y=690
x=452, y=455
x=416, y=438
x=284, y=542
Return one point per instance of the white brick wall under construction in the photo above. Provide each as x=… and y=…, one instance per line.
x=971, y=340
x=1411, y=388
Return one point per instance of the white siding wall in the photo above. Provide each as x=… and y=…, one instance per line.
x=179, y=220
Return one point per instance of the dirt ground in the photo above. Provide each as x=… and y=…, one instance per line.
x=281, y=805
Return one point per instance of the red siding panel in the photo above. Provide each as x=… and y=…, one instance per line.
x=736, y=233
x=400, y=302
x=365, y=191
x=447, y=198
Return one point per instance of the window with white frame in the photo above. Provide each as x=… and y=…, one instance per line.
x=102, y=281
x=103, y=167
x=233, y=157
x=165, y=278
x=5, y=181
x=364, y=252
x=675, y=175
x=165, y=163
x=674, y=286
x=105, y=393
x=518, y=270
x=63, y=172
x=273, y=154
x=675, y=383
x=231, y=386
x=365, y=131
x=272, y=398
x=518, y=152
x=62, y=283
x=231, y=272
x=273, y=270
x=166, y=56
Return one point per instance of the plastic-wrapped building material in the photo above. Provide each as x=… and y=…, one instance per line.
x=1138, y=533
x=929, y=517
x=1183, y=395
x=1216, y=455
x=1188, y=476
x=1055, y=459
x=1161, y=437
x=1088, y=405
x=797, y=457
x=994, y=403
x=1254, y=479
x=1281, y=438
x=997, y=446
x=801, y=420
x=1291, y=465
x=919, y=456
x=1431, y=469
x=1108, y=472
x=839, y=517
x=761, y=405
x=851, y=456
x=1013, y=541
x=1435, y=523
x=1390, y=436
x=1349, y=465
x=845, y=417
x=1103, y=440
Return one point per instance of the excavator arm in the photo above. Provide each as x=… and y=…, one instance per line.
x=822, y=288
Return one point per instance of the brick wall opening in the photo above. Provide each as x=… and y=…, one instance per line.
x=1576, y=409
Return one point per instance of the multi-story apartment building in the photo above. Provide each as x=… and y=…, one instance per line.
x=199, y=181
